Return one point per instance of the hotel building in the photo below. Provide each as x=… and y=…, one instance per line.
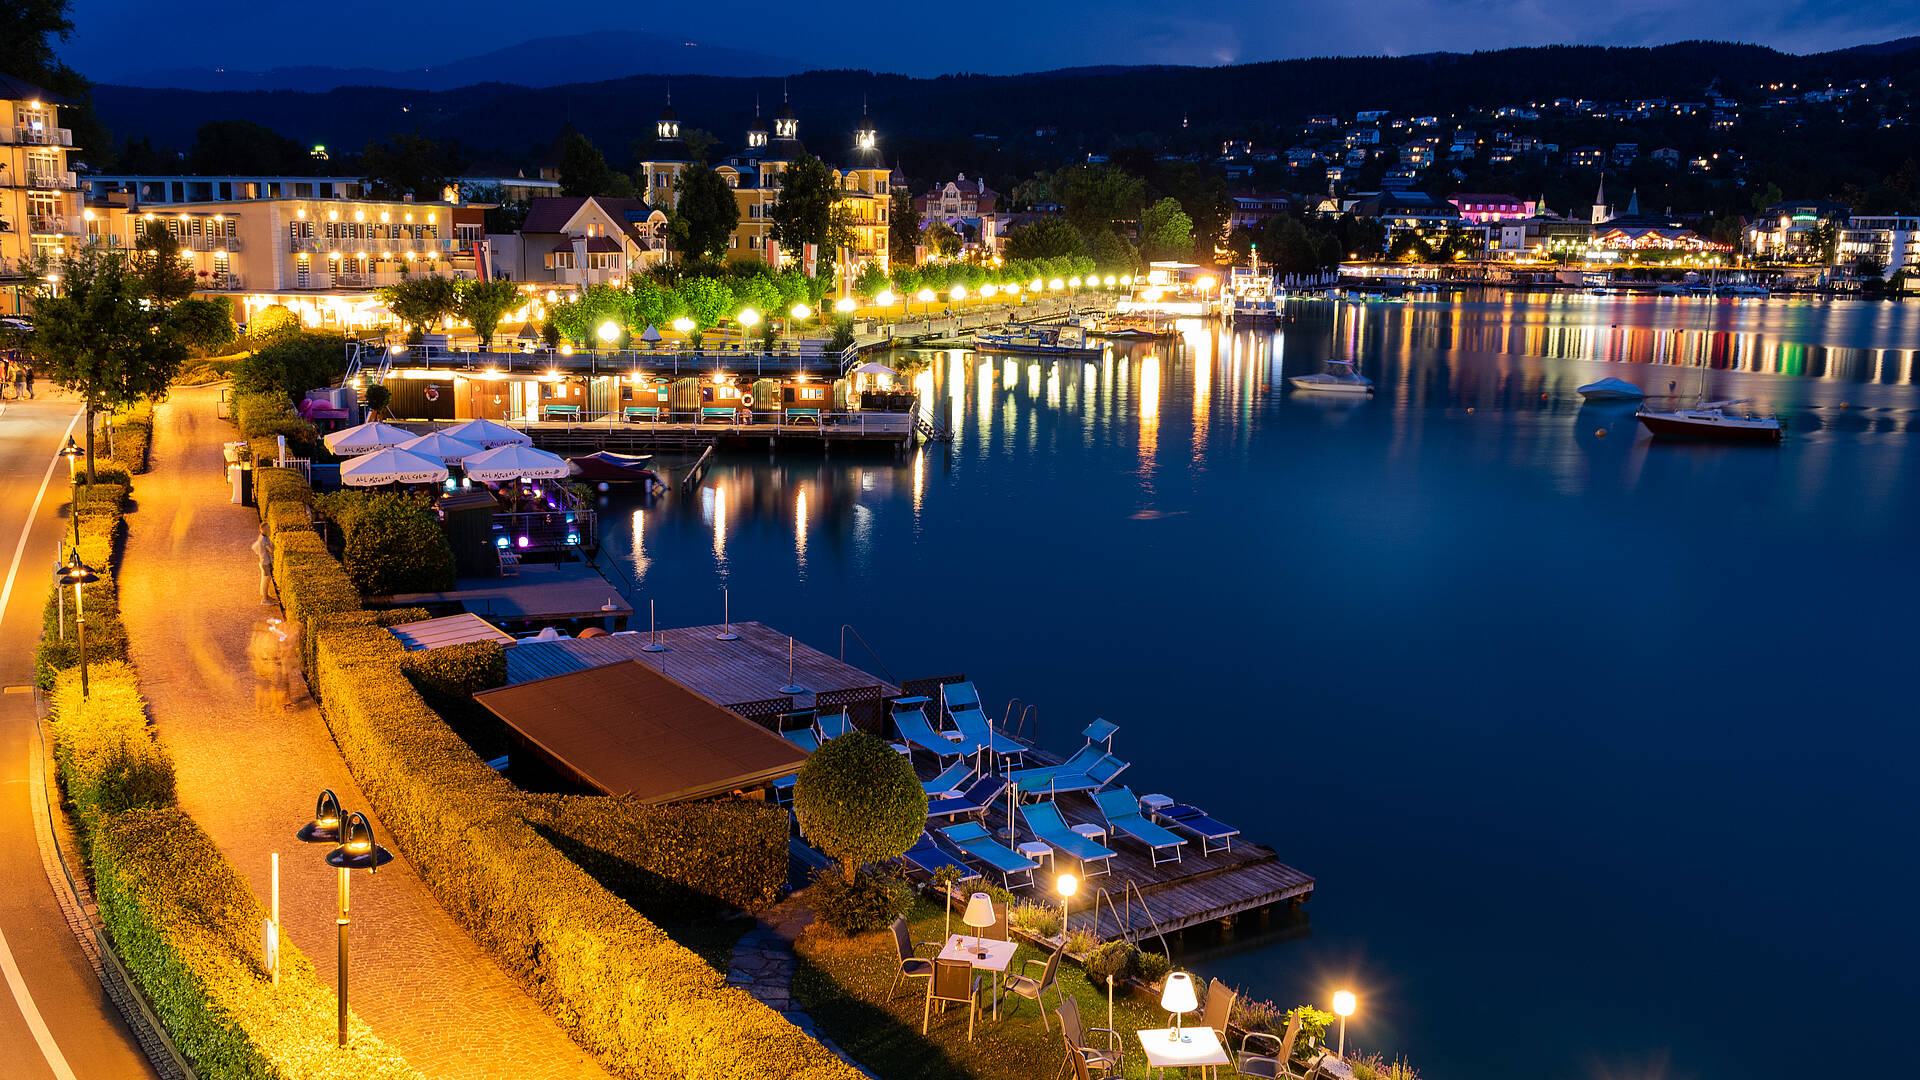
x=40, y=211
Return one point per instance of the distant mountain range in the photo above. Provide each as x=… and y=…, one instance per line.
x=542, y=62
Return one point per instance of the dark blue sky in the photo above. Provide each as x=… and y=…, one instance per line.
x=925, y=39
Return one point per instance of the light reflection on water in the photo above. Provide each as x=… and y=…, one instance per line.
x=1551, y=711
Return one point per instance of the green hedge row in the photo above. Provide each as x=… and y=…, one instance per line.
x=133, y=437
x=180, y=918
x=98, y=512
x=525, y=874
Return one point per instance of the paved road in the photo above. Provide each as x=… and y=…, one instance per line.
x=55, y=1019
x=250, y=762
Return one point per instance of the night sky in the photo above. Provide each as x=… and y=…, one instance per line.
x=927, y=39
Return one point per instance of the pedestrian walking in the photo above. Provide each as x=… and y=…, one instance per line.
x=263, y=547
x=27, y=369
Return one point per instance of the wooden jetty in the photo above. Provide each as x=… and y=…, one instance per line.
x=750, y=674
x=881, y=430
x=542, y=595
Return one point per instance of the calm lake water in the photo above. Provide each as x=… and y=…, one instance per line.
x=1601, y=751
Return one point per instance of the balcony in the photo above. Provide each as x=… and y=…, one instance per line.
x=209, y=243
x=41, y=136
x=54, y=226
x=52, y=181
x=219, y=282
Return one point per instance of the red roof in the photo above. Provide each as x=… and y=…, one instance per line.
x=594, y=243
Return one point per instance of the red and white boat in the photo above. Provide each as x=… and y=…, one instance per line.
x=1709, y=420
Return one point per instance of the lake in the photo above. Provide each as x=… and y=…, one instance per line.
x=1599, y=749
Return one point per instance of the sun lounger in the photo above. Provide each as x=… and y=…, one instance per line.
x=980, y=796
x=1194, y=820
x=962, y=703
x=929, y=858
x=834, y=724
x=912, y=722
x=805, y=739
x=1051, y=829
x=1094, y=777
x=956, y=777
x=972, y=838
x=1101, y=731
x=1122, y=810
x=1030, y=780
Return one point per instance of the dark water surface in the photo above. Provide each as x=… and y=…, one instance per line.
x=1601, y=751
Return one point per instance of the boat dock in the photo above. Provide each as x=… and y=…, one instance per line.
x=751, y=676
x=880, y=430
x=542, y=594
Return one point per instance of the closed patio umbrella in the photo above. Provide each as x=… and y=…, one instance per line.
x=391, y=466
x=487, y=434
x=515, y=463
x=440, y=445
x=650, y=334
x=365, y=438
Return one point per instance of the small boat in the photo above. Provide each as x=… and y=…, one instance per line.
x=1065, y=342
x=1340, y=379
x=1611, y=389
x=1755, y=291
x=1709, y=420
x=607, y=467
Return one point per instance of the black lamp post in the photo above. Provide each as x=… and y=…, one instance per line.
x=72, y=453
x=77, y=574
x=355, y=850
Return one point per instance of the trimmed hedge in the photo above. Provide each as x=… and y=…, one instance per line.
x=459, y=670
x=132, y=437
x=99, y=515
x=182, y=921
x=311, y=582
x=688, y=860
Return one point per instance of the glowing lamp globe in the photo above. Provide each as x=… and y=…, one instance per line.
x=609, y=331
x=844, y=304
x=683, y=324
x=748, y=317
x=1343, y=1002
x=885, y=297
x=926, y=296
x=802, y=311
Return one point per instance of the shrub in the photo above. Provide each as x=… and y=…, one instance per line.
x=1254, y=1014
x=394, y=545
x=859, y=801
x=270, y=324
x=107, y=761
x=292, y=364
x=132, y=437
x=454, y=673
x=1371, y=1066
x=1313, y=1029
x=262, y=415
x=311, y=583
x=1081, y=942
x=271, y=485
x=679, y=862
x=1042, y=920
x=204, y=326
x=1151, y=966
x=1109, y=961
x=868, y=902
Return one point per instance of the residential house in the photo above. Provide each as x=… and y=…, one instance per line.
x=1363, y=137
x=1370, y=116
x=571, y=241
x=966, y=205
x=1891, y=240
x=1485, y=209
x=1666, y=155
x=1789, y=231
x=1586, y=157
x=1624, y=154
x=147, y=190
x=1251, y=209
x=40, y=211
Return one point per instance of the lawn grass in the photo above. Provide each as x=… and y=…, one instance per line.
x=843, y=984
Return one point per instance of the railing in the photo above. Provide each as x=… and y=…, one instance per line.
x=548, y=530
x=771, y=421
x=56, y=226
x=374, y=246
x=42, y=136
x=807, y=357
x=845, y=629
x=56, y=181
x=221, y=282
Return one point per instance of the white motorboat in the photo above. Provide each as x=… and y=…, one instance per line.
x=1340, y=378
x=1709, y=420
x=1611, y=389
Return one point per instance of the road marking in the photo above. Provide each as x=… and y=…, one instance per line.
x=21, y=996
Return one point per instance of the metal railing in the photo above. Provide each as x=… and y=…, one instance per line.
x=847, y=628
x=55, y=226
x=41, y=136
x=51, y=180
x=771, y=421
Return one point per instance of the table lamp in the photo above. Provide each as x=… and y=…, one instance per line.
x=1177, y=997
x=980, y=916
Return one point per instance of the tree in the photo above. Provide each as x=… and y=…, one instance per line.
x=704, y=215
x=156, y=258
x=870, y=281
x=708, y=301
x=1166, y=232
x=405, y=165
x=803, y=211
x=584, y=170
x=101, y=338
x=203, y=326
x=420, y=302
x=1110, y=251
x=941, y=239
x=483, y=304
x=859, y=802
x=292, y=363
x=1410, y=246
x=903, y=228
x=394, y=544
x=1097, y=197
x=1047, y=238
x=241, y=146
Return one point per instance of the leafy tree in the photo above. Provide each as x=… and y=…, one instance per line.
x=1410, y=246
x=803, y=211
x=581, y=319
x=654, y=304
x=1046, y=238
x=941, y=239
x=405, y=165
x=1096, y=197
x=203, y=326
x=292, y=363
x=903, y=228
x=271, y=323
x=759, y=293
x=394, y=544
x=870, y=280
x=1111, y=251
x=420, y=302
x=156, y=258
x=708, y=301
x=483, y=304
x=1166, y=232
x=241, y=146
x=704, y=215
x=906, y=280
x=859, y=802
x=584, y=170
x=101, y=338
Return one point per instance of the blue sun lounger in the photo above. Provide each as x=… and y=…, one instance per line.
x=1122, y=811
x=912, y=722
x=1037, y=779
x=962, y=703
x=980, y=796
x=956, y=777
x=972, y=838
x=805, y=739
x=927, y=856
x=1051, y=829
x=834, y=724
x=1194, y=820
x=1094, y=778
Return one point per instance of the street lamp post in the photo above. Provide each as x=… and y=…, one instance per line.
x=77, y=574
x=72, y=453
x=356, y=850
x=1343, y=1003
x=1066, y=885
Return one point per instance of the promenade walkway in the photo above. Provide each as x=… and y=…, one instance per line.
x=250, y=763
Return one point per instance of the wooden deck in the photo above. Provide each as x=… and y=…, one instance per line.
x=890, y=431
x=543, y=592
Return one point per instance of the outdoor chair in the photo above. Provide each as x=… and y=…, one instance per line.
x=912, y=722
x=805, y=739
x=927, y=857
x=956, y=778
x=976, y=729
x=1094, y=778
x=1038, y=779
x=833, y=725
x=1219, y=1009
x=973, y=839
x=1274, y=1060
x=1050, y=828
x=1107, y=1059
x=1032, y=988
x=1122, y=810
x=912, y=966
x=1194, y=820
x=980, y=796
x=953, y=982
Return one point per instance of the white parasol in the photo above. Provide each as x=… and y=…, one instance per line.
x=391, y=466
x=487, y=434
x=872, y=368
x=515, y=463
x=440, y=445
x=649, y=334
x=365, y=438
